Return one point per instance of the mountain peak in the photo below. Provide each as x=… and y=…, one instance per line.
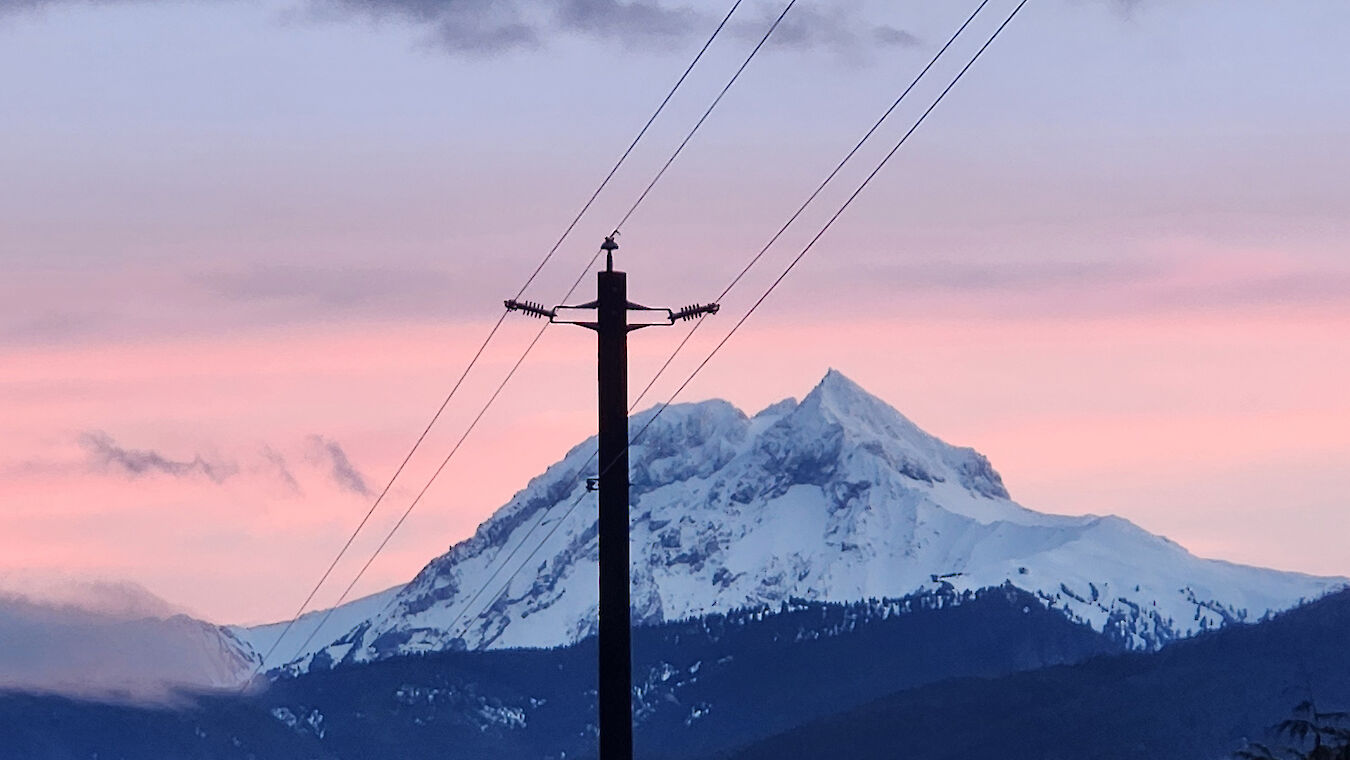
x=879, y=429
x=837, y=385
x=844, y=400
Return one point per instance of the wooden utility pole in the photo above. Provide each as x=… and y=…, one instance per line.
x=613, y=316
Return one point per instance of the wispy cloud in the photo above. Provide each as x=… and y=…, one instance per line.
x=1233, y=281
x=325, y=457
x=340, y=469
x=326, y=288
x=50, y=326
x=280, y=469
x=106, y=454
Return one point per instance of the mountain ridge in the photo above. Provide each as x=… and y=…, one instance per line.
x=837, y=497
x=1207, y=697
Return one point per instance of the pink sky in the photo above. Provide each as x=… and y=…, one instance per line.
x=241, y=239
x=1225, y=432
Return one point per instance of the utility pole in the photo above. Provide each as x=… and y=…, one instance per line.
x=612, y=316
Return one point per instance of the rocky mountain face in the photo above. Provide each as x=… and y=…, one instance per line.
x=837, y=498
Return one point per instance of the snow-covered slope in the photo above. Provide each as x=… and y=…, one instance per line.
x=839, y=498
x=267, y=641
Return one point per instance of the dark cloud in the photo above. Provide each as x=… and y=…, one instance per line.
x=104, y=453
x=838, y=30
x=340, y=469
x=471, y=26
x=494, y=26
x=489, y=27
x=611, y=18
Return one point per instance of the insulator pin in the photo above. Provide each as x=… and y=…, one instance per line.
x=531, y=308
x=694, y=311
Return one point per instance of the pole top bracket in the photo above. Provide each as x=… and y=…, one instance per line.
x=609, y=247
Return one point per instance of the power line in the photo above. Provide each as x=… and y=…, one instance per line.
x=430, y=481
x=837, y=214
x=530, y=347
x=543, y=516
x=495, y=328
x=665, y=405
x=767, y=34
x=811, y=199
x=366, y=518
x=629, y=151
x=542, y=543
x=632, y=209
x=736, y=280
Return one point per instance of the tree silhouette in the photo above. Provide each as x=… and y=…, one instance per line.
x=1316, y=736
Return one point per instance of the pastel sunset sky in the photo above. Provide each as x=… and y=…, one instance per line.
x=248, y=245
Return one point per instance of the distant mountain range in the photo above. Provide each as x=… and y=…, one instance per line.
x=703, y=685
x=936, y=676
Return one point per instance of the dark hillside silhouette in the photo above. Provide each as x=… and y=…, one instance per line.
x=1204, y=698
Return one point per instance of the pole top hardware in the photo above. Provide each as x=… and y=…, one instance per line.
x=587, y=314
x=531, y=308
x=694, y=311
x=609, y=247
x=592, y=484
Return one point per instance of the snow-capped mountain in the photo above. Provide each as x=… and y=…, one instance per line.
x=838, y=498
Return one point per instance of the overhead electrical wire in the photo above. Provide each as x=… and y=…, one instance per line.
x=735, y=280
x=834, y=218
x=535, y=340
x=497, y=326
x=769, y=291
x=642, y=133
x=812, y=197
x=711, y=107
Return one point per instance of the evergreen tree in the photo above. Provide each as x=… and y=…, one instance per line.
x=1315, y=736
